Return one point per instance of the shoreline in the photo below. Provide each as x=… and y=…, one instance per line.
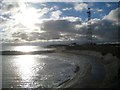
x=25, y=53
x=107, y=58
x=111, y=64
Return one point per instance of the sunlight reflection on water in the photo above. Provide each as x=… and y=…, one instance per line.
x=24, y=65
x=30, y=48
x=25, y=48
x=27, y=67
x=32, y=71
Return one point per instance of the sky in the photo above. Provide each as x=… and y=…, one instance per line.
x=63, y=22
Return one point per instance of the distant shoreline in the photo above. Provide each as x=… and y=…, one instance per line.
x=103, y=48
x=25, y=53
x=114, y=49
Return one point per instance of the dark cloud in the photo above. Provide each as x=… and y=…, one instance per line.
x=106, y=29
x=34, y=36
x=58, y=26
x=103, y=29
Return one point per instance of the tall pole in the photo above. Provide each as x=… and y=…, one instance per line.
x=89, y=31
x=118, y=21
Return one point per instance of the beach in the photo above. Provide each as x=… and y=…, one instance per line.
x=59, y=67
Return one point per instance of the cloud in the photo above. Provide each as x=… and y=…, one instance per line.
x=66, y=9
x=7, y=10
x=103, y=30
x=80, y=6
x=73, y=19
x=35, y=36
x=57, y=27
x=99, y=10
x=69, y=29
x=11, y=10
x=113, y=15
x=61, y=29
x=43, y=11
x=56, y=14
x=9, y=6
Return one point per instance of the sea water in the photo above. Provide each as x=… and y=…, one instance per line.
x=34, y=71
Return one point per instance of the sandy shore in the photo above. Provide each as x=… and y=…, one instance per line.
x=109, y=61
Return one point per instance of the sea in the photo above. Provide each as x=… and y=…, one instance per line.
x=40, y=67
x=44, y=70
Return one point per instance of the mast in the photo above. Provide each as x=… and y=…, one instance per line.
x=89, y=31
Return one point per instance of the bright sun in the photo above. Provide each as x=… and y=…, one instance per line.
x=27, y=16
